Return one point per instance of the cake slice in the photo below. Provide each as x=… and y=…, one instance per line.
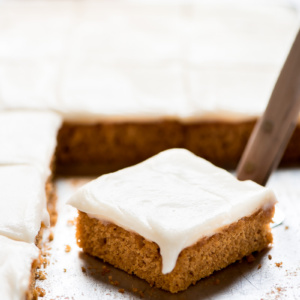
x=173, y=219
x=23, y=206
x=28, y=137
x=17, y=264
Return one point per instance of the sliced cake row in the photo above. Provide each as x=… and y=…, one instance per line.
x=26, y=154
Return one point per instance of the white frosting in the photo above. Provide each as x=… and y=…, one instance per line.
x=16, y=259
x=23, y=202
x=28, y=137
x=33, y=39
x=173, y=59
x=173, y=199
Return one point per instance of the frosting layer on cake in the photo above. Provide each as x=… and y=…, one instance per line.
x=183, y=60
x=22, y=202
x=16, y=260
x=173, y=199
x=28, y=137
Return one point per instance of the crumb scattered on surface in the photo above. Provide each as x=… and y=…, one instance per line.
x=115, y=283
x=105, y=270
x=269, y=257
x=250, y=258
x=40, y=292
x=41, y=275
x=259, y=266
x=278, y=264
x=83, y=269
x=121, y=291
x=68, y=248
x=286, y=227
x=71, y=222
x=65, y=270
x=141, y=294
x=51, y=236
x=44, y=261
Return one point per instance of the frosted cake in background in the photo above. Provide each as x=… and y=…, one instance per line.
x=129, y=74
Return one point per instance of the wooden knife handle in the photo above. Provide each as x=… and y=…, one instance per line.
x=274, y=129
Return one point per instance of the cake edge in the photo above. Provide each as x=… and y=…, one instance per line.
x=141, y=257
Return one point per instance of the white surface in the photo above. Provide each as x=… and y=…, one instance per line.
x=23, y=202
x=143, y=59
x=28, y=137
x=16, y=259
x=174, y=199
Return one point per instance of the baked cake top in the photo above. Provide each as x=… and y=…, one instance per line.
x=29, y=137
x=22, y=202
x=16, y=259
x=173, y=199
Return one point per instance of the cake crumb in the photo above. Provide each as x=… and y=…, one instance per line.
x=70, y=222
x=41, y=275
x=286, y=227
x=83, y=269
x=105, y=270
x=250, y=258
x=278, y=264
x=141, y=294
x=269, y=257
x=40, y=292
x=65, y=270
x=68, y=248
x=121, y=291
x=259, y=266
x=115, y=283
x=135, y=290
x=44, y=261
x=51, y=236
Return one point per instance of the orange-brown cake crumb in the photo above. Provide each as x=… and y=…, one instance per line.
x=71, y=222
x=41, y=292
x=134, y=254
x=109, y=146
x=41, y=275
x=105, y=270
x=68, y=248
x=250, y=258
x=51, y=236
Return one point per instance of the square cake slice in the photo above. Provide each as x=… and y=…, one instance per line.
x=18, y=261
x=23, y=204
x=28, y=137
x=173, y=219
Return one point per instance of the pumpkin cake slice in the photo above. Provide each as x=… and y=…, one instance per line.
x=18, y=261
x=173, y=219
